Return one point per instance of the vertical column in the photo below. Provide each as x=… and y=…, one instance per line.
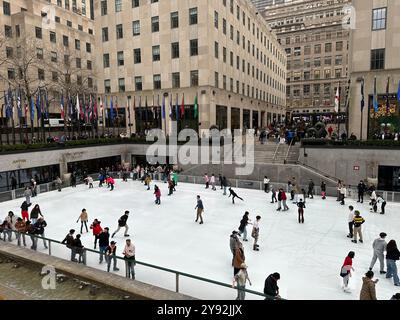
x=251, y=119
x=229, y=118
x=241, y=119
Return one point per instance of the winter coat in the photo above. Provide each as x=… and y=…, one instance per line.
x=379, y=245
x=104, y=239
x=393, y=254
x=35, y=213
x=283, y=196
x=233, y=243
x=96, y=227
x=157, y=193
x=239, y=258
x=25, y=206
x=12, y=221
x=68, y=240
x=175, y=177
x=323, y=187
x=279, y=196
x=224, y=182
x=368, y=291
x=39, y=227
x=361, y=188
x=110, y=180
x=358, y=221
x=111, y=251
x=271, y=286
x=122, y=220
x=206, y=179
x=200, y=204
x=20, y=226
x=77, y=243
x=83, y=216
x=243, y=223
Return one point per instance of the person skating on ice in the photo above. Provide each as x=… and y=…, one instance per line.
x=212, y=181
x=79, y=249
x=207, y=181
x=392, y=255
x=243, y=225
x=69, y=242
x=273, y=195
x=361, y=187
x=301, y=205
x=323, y=190
x=238, y=259
x=157, y=193
x=170, y=187
x=234, y=195
x=97, y=229
x=220, y=180
x=271, y=288
x=104, y=242
x=279, y=200
x=84, y=220
x=350, y=221
x=255, y=233
x=234, y=243
x=381, y=202
x=368, y=291
x=224, y=184
x=24, y=210
x=379, y=247
x=111, y=252
x=122, y=223
x=358, y=222
x=284, y=198
x=372, y=203
x=343, y=194
x=310, y=192
x=346, y=269
x=240, y=279
x=200, y=209
x=266, y=184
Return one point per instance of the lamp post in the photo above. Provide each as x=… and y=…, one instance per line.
x=129, y=116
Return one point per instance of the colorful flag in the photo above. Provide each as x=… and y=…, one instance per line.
x=116, y=106
x=111, y=108
x=96, y=111
x=170, y=106
x=177, y=108
x=32, y=109
x=140, y=108
x=38, y=106
x=196, y=108
x=387, y=96
x=19, y=106
x=398, y=92
x=337, y=100
x=6, y=103
x=183, y=106
x=62, y=106
x=46, y=106
x=101, y=106
x=77, y=108
x=362, y=96
x=105, y=107
x=375, y=98
x=163, y=108
x=145, y=111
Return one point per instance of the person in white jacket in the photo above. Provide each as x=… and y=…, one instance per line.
x=350, y=221
x=266, y=184
x=380, y=201
x=372, y=203
x=343, y=194
x=212, y=181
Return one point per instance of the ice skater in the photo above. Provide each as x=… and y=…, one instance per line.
x=372, y=203
x=97, y=229
x=111, y=255
x=310, y=192
x=207, y=181
x=234, y=195
x=346, y=269
x=157, y=193
x=266, y=184
x=379, y=247
x=110, y=182
x=24, y=210
x=240, y=279
x=301, y=205
x=350, y=220
x=147, y=181
x=69, y=242
x=323, y=190
x=380, y=201
x=343, y=194
x=361, y=187
x=224, y=184
x=273, y=195
x=170, y=187
x=238, y=259
x=358, y=222
x=84, y=220
x=122, y=223
x=255, y=233
x=200, y=209
x=392, y=255
x=234, y=243
x=212, y=181
x=243, y=225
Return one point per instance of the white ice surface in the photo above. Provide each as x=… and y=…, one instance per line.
x=308, y=257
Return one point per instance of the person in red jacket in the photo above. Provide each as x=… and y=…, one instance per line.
x=97, y=229
x=157, y=193
x=284, y=198
x=110, y=181
x=345, y=272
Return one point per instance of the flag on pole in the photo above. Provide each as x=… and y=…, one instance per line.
x=77, y=105
x=177, y=108
x=19, y=106
x=116, y=106
x=101, y=105
x=105, y=107
x=62, y=106
x=387, y=96
x=111, y=108
x=183, y=106
x=362, y=96
x=196, y=107
x=375, y=98
x=6, y=105
x=46, y=106
x=140, y=108
x=337, y=100
x=163, y=108
x=96, y=111
x=170, y=106
x=145, y=111
x=398, y=92
x=38, y=106
x=32, y=109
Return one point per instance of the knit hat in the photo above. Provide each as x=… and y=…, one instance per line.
x=243, y=266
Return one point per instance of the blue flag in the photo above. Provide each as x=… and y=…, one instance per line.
x=398, y=92
x=140, y=108
x=163, y=108
x=38, y=107
x=375, y=99
x=46, y=106
x=19, y=106
x=111, y=108
x=32, y=109
x=177, y=107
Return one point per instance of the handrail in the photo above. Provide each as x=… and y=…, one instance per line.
x=146, y=264
x=276, y=152
x=287, y=153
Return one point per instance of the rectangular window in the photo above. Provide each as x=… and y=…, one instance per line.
x=174, y=50
x=39, y=53
x=176, y=80
x=377, y=59
x=121, y=85
x=379, y=19
x=118, y=5
x=156, y=53
x=54, y=76
x=120, y=58
x=157, y=81
x=194, y=78
x=193, y=16
x=338, y=73
x=138, y=84
x=216, y=79
x=135, y=3
x=107, y=86
x=104, y=34
x=88, y=47
x=106, y=60
x=155, y=24
x=338, y=60
x=89, y=65
x=339, y=46
x=38, y=32
x=40, y=74
x=137, y=56
x=11, y=74
x=216, y=19
x=317, y=48
x=103, y=6
x=136, y=27
x=65, y=41
x=216, y=50
x=77, y=44
x=6, y=8
x=78, y=63
x=174, y=20
x=194, y=47
x=53, y=37
x=120, y=31
x=328, y=47
x=53, y=56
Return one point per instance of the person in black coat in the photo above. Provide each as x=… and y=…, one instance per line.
x=361, y=187
x=234, y=195
x=271, y=288
x=79, y=249
x=122, y=224
x=69, y=241
x=224, y=184
x=243, y=225
x=104, y=242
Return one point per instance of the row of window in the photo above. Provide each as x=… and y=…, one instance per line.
x=297, y=92
x=194, y=82
x=317, y=62
x=297, y=51
x=75, y=8
x=327, y=73
x=311, y=37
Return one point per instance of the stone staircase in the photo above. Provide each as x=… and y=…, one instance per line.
x=271, y=152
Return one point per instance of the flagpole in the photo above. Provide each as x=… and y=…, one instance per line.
x=362, y=108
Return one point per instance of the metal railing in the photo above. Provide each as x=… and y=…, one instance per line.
x=51, y=243
x=276, y=152
x=288, y=151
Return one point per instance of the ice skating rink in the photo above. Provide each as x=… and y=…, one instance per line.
x=308, y=256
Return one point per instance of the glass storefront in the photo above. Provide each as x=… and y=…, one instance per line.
x=246, y=119
x=385, y=120
x=255, y=119
x=222, y=117
x=235, y=118
x=389, y=178
x=93, y=166
x=21, y=178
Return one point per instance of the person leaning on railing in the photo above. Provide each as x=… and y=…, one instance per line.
x=69, y=241
x=129, y=256
x=20, y=227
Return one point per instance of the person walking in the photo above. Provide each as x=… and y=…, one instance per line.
x=279, y=200
x=372, y=203
x=212, y=181
x=69, y=242
x=20, y=227
x=34, y=187
x=346, y=269
x=28, y=195
x=271, y=288
x=147, y=181
x=129, y=254
x=97, y=229
x=24, y=210
x=301, y=205
x=338, y=187
x=380, y=201
x=350, y=221
x=266, y=184
x=240, y=279
x=392, y=255
x=273, y=195
x=323, y=190
x=358, y=221
x=84, y=220
x=243, y=225
x=104, y=242
x=238, y=259
x=200, y=209
x=234, y=195
x=310, y=193
x=368, y=291
x=35, y=212
x=379, y=247
x=361, y=187
x=111, y=182
x=207, y=180
x=90, y=182
x=255, y=233
x=170, y=187
x=111, y=256
x=122, y=223
x=220, y=181
x=73, y=180
x=157, y=193
x=234, y=243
